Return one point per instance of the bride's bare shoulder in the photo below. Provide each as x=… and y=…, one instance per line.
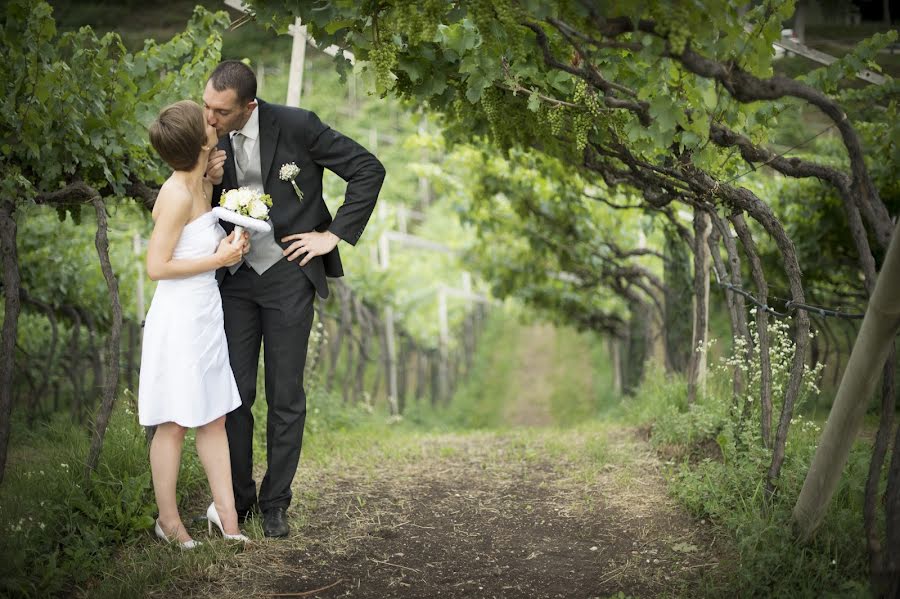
x=174, y=197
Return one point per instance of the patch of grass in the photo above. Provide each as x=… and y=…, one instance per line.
x=597, y=450
x=478, y=402
x=97, y=539
x=64, y=531
x=729, y=491
x=574, y=379
x=167, y=570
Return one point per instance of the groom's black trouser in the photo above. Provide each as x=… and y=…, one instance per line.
x=277, y=309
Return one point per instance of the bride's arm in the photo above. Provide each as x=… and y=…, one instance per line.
x=173, y=212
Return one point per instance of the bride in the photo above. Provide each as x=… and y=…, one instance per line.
x=186, y=380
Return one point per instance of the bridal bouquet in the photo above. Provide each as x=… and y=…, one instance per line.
x=246, y=208
x=247, y=202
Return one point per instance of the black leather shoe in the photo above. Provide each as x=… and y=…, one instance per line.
x=275, y=522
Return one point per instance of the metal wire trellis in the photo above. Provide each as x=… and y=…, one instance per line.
x=789, y=305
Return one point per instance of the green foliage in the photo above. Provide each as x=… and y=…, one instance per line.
x=480, y=65
x=860, y=58
x=67, y=271
x=61, y=531
x=76, y=108
x=76, y=105
x=773, y=563
x=541, y=238
x=480, y=58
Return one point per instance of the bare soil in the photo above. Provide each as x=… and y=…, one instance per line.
x=483, y=515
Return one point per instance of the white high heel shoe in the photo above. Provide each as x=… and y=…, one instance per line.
x=212, y=517
x=185, y=545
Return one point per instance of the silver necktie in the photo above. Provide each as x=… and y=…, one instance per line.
x=240, y=155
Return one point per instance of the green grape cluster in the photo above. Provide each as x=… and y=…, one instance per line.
x=671, y=22
x=580, y=92
x=418, y=21
x=482, y=13
x=678, y=39
x=492, y=105
x=384, y=59
x=589, y=98
x=556, y=118
x=581, y=123
x=595, y=105
x=508, y=14
x=403, y=85
x=458, y=109
x=432, y=12
x=406, y=20
x=616, y=122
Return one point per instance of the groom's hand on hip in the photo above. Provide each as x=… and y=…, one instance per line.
x=312, y=244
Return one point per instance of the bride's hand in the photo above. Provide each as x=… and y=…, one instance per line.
x=229, y=255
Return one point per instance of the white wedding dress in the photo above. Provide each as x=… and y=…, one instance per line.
x=185, y=376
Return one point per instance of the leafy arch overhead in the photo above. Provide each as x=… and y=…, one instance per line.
x=664, y=103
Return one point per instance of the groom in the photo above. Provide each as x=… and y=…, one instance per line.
x=269, y=297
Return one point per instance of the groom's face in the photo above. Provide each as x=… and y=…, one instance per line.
x=224, y=111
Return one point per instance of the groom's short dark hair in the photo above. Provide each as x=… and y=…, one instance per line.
x=233, y=74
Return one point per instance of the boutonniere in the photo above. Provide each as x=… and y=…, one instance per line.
x=289, y=172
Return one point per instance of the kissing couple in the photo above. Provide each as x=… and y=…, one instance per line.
x=220, y=297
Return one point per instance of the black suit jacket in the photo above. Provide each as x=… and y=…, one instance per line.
x=295, y=135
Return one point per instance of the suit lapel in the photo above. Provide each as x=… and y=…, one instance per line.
x=268, y=140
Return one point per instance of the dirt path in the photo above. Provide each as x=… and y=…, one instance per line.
x=538, y=511
x=535, y=514
x=533, y=382
x=553, y=367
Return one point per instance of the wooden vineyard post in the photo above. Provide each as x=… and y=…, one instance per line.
x=863, y=371
x=443, y=342
x=298, y=59
x=391, y=359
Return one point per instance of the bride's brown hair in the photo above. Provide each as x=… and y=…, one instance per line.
x=179, y=133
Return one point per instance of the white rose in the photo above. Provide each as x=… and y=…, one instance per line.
x=243, y=196
x=258, y=209
x=231, y=202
